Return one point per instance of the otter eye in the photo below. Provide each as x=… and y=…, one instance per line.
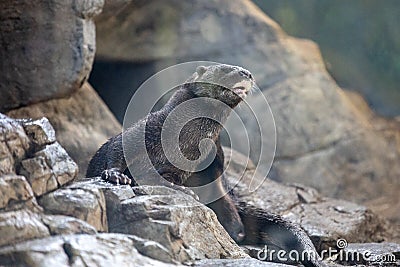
x=246, y=74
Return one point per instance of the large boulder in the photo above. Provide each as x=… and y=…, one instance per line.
x=324, y=138
x=47, y=49
x=185, y=229
x=82, y=122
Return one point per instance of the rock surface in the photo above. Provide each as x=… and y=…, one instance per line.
x=324, y=138
x=77, y=250
x=236, y=263
x=22, y=225
x=381, y=254
x=47, y=49
x=186, y=229
x=324, y=219
x=82, y=122
x=34, y=154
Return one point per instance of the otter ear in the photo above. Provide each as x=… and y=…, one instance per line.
x=201, y=70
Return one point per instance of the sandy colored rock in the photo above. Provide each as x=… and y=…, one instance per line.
x=14, y=143
x=40, y=131
x=14, y=188
x=82, y=123
x=48, y=169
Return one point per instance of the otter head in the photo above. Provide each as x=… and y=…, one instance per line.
x=229, y=84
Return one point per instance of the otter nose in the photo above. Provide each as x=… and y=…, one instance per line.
x=246, y=74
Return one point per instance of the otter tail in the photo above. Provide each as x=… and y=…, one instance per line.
x=266, y=229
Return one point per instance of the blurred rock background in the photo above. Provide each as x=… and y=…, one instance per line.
x=359, y=41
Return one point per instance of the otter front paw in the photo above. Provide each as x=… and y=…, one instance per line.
x=115, y=176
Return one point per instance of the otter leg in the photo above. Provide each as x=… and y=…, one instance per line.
x=224, y=207
x=116, y=164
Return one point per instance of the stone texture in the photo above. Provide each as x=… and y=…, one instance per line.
x=40, y=131
x=184, y=228
x=82, y=203
x=49, y=169
x=21, y=225
x=14, y=188
x=14, y=144
x=47, y=49
x=236, y=263
x=381, y=254
x=82, y=122
x=324, y=138
x=29, y=148
x=77, y=250
x=324, y=219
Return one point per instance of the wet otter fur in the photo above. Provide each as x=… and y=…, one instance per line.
x=225, y=83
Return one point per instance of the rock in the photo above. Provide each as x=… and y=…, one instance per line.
x=47, y=49
x=16, y=226
x=82, y=122
x=184, y=228
x=14, y=188
x=381, y=254
x=40, y=131
x=35, y=154
x=83, y=203
x=21, y=225
x=14, y=143
x=324, y=139
x=48, y=169
x=324, y=219
x=236, y=263
x=65, y=225
x=77, y=250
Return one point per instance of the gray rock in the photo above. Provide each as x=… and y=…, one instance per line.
x=82, y=123
x=47, y=49
x=17, y=226
x=82, y=203
x=77, y=250
x=49, y=169
x=324, y=219
x=236, y=263
x=14, y=143
x=14, y=188
x=40, y=131
x=21, y=225
x=184, y=228
x=378, y=254
x=175, y=220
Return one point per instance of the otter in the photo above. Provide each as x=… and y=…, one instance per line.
x=226, y=84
